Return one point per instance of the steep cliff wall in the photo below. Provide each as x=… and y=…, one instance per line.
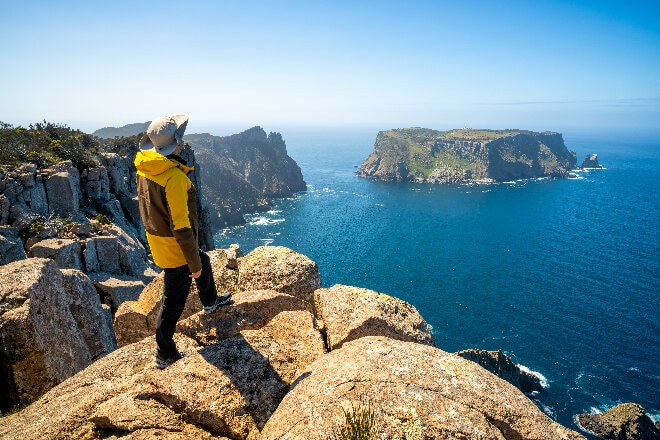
x=240, y=173
x=243, y=172
x=464, y=156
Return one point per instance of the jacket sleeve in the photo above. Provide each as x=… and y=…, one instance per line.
x=176, y=192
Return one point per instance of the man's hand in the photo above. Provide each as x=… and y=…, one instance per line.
x=196, y=274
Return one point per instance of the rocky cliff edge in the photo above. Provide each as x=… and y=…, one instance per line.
x=287, y=360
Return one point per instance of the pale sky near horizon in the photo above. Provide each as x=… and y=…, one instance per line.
x=540, y=65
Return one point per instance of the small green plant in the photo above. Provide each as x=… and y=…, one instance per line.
x=103, y=219
x=36, y=228
x=16, y=409
x=359, y=424
x=53, y=226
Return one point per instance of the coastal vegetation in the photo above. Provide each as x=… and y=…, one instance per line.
x=46, y=143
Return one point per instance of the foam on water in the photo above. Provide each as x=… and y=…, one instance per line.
x=542, y=378
x=546, y=409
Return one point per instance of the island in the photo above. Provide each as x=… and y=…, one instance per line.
x=467, y=156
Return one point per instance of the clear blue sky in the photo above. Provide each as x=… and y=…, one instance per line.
x=491, y=64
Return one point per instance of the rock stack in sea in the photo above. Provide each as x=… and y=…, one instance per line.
x=591, y=161
x=288, y=359
x=501, y=365
x=626, y=421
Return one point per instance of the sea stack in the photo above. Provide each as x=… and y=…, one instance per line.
x=591, y=161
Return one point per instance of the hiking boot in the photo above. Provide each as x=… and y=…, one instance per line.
x=162, y=363
x=221, y=300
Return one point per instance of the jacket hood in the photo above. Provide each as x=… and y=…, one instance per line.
x=152, y=163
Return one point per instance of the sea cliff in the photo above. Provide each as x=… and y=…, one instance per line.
x=466, y=156
x=241, y=173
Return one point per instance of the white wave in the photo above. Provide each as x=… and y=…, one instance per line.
x=267, y=241
x=654, y=416
x=542, y=378
x=265, y=221
x=379, y=204
x=354, y=194
x=546, y=409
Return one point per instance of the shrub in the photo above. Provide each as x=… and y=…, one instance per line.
x=46, y=143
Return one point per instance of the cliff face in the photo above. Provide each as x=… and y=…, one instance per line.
x=465, y=156
x=86, y=221
x=242, y=172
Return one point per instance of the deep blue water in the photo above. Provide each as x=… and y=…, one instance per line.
x=563, y=275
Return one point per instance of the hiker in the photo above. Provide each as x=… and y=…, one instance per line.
x=168, y=207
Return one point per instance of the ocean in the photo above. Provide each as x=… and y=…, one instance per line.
x=562, y=275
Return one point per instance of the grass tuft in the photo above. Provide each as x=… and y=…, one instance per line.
x=359, y=424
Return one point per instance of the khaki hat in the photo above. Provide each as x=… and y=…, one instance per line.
x=164, y=134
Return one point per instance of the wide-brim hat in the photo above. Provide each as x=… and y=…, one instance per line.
x=164, y=134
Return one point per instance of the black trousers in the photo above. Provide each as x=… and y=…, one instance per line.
x=176, y=288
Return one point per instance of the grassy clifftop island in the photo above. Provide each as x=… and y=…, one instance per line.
x=466, y=155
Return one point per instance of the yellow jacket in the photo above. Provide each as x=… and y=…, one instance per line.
x=168, y=206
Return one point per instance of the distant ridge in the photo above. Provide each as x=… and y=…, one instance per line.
x=125, y=131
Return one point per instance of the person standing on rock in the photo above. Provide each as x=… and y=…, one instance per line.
x=168, y=207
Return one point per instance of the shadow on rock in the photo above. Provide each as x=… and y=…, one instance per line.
x=251, y=374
